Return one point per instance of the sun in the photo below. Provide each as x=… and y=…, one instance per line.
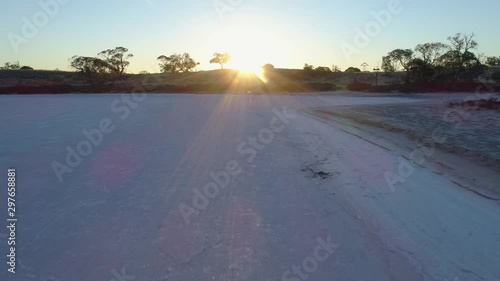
x=246, y=59
x=249, y=47
x=250, y=69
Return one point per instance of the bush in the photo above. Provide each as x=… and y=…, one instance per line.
x=353, y=69
x=496, y=76
x=268, y=67
x=27, y=68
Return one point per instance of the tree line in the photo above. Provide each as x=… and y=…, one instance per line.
x=115, y=62
x=453, y=61
x=14, y=66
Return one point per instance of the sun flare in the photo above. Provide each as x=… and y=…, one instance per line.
x=249, y=47
x=251, y=70
x=246, y=59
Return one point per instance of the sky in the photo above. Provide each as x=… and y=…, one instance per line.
x=44, y=34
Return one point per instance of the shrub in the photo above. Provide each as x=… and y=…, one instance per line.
x=353, y=69
x=268, y=67
x=496, y=76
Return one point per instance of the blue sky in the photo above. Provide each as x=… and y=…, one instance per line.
x=287, y=33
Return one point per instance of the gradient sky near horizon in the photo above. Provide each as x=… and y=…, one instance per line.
x=287, y=33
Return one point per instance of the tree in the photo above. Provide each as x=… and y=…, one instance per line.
x=458, y=66
x=92, y=68
x=25, y=67
x=268, y=67
x=116, y=59
x=401, y=56
x=188, y=63
x=308, y=67
x=460, y=62
x=461, y=47
x=322, y=69
x=353, y=69
x=319, y=71
x=420, y=70
x=177, y=63
x=388, y=65
x=431, y=52
x=170, y=64
x=493, y=61
x=221, y=59
x=11, y=66
x=335, y=68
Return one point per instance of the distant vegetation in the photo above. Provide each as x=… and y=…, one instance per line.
x=108, y=63
x=10, y=66
x=268, y=67
x=335, y=68
x=117, y=59
x=15, y=66
x=221, y=59
x=427, y=62
x=353, y=69
x=434, y=66
x=320, y=71
x=177, y=63
x=493, y=61
x=316, y=70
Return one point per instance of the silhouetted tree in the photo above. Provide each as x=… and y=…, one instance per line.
x=116, y=59
x=177, y=63
x=401, y=56
x=431, y=52
x=308, y=67
x=388, y=65
x=439, y=61
x=335, y=68
x=11, y=66
x=493, y=61
x=221, y=59
x=92, y=68
x=460, y=62
x=419, y=70
x=461, y=46
x=322, y=69
x=25, y=67
x=268, y=67
x=353, y=69
x=319, y=71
